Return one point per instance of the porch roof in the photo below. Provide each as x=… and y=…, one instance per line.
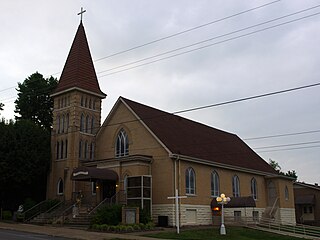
x=305, y=200
x=236, y=202
x=92, y=173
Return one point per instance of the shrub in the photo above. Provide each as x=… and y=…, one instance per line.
x=6, y=215
x=110, y=215
x=144, y=216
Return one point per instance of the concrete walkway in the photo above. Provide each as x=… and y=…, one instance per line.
x=69, y=232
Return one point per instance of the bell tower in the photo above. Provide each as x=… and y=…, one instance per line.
x=76, y=118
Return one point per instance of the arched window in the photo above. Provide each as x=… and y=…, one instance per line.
x=86, y=103
x=80, y=149
x=92, y=125
x=91, y=151
x=58, y=124
x=58, y=103
x=236, y=186
x=90, y=103
x=122, y=144
x=254, y=191
x=58, y=150
x=60, y=189
x=286, y=193
x=66, y=151
x=61, y=150
x=81, y=102
x=94, y=104
x=214, y=184
x=85, y=150
x=67, y=122
x=62, y=128
x=190, y=181
x=82, y=123
x=87, y=124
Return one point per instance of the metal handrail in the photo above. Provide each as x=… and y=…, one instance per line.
x=38, y=211
x=99, y=205
x=38, y=204
x=273, y=207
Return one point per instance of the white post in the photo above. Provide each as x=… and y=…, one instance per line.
x=177, y=211
x=176, y=198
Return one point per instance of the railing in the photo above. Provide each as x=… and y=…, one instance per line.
x=270, y=224
x=62, y=215
x=119, y=197
x=41, y=207
x=275, y=206
x=287, y=227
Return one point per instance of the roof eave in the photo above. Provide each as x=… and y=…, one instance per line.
x=221, y=165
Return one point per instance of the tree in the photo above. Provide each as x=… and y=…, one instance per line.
x=34, y=101
x=1, y=106
x=292, y=174
x=276, y=166
x=24, y=161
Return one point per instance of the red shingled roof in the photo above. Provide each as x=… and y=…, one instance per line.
x=78, y=70
x=186, y=137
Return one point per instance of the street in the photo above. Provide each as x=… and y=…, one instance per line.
x=16, y=235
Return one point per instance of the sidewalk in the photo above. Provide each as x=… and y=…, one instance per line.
x=69, y=232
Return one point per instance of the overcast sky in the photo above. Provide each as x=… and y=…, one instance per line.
x=36, y=36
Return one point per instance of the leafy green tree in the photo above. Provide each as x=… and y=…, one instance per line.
x=24, y=161
x=34, y=101
x=275, y=165
x=292, y=174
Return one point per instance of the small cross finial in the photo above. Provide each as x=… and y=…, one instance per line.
x=81, y=13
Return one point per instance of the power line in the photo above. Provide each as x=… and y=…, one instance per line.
x=287, y=145
x=282, y=135
x=288, y=149
x=210, y=39
x=185, y=31
x=248, y=98
x=212, y=44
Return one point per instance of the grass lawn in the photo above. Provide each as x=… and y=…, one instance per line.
x=237, y=233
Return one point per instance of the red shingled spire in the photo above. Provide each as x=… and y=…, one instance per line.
x=78, y=71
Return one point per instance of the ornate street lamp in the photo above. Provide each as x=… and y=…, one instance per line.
x=222, y=200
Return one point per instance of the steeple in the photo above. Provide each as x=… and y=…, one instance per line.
x=78, y=72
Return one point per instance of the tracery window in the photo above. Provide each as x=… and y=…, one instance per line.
x=122, y=144
x=190, y=181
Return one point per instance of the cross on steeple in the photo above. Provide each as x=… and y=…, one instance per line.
x=81, y=13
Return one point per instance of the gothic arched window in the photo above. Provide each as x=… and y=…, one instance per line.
x=60, y=189
x=214, y=184
x=190, y=181
x=82, y=123
x=236, y=186
x=286, y=193
x=254, y=191
x=122, y=144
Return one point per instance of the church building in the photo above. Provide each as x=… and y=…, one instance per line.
x=139, y=156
